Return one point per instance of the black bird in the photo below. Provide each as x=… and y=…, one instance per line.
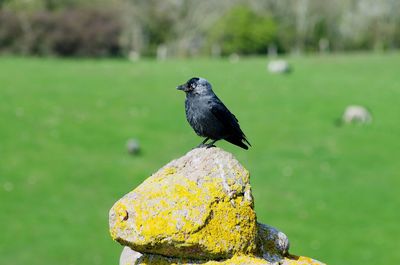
x=208, y=116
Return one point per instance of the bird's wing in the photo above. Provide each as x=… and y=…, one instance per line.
x=230, y=122
x=221, y=112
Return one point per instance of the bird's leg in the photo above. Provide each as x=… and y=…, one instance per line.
x=211, y=144
x=203, y=143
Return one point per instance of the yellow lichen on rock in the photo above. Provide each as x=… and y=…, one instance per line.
x=300, y=260
x=237, y=234
x=235, y=260
x=130, y=257
x=169, y=170
x=198, y=206
x=161, y=216
x=121, y=215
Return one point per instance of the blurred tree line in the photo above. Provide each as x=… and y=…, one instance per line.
x=189, y=27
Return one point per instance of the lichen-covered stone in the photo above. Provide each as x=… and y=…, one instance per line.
x=130, y=257
x=273, y=243
x=197, y=209
x=198, y=206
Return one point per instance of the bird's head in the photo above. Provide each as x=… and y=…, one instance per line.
x=196, y=85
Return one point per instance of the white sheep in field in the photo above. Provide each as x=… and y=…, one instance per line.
x=278, y=67
x=356, y=114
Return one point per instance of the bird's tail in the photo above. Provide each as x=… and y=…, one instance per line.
x=238, y=141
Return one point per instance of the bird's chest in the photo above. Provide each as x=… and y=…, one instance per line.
x=199, y=116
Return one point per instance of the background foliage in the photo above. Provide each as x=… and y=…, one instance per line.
x=189, y=27
x=243, y=31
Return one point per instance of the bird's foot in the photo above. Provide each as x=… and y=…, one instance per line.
x=203, y=144
x=211, y=144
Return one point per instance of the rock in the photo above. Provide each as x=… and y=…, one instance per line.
x=234, y=58
x=356, y=114
x=272, y=50
x=197, y=209
x=130, y=257
x=273, y=243
x=216, y=51
x=198, y=206
x=134, y=56
x=323, y=45
x=133, y=146
x=278, y=67
x=162, y=52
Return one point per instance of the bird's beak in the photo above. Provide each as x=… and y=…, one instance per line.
x=182, y=87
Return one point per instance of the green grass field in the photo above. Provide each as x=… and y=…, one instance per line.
x=63, y=163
